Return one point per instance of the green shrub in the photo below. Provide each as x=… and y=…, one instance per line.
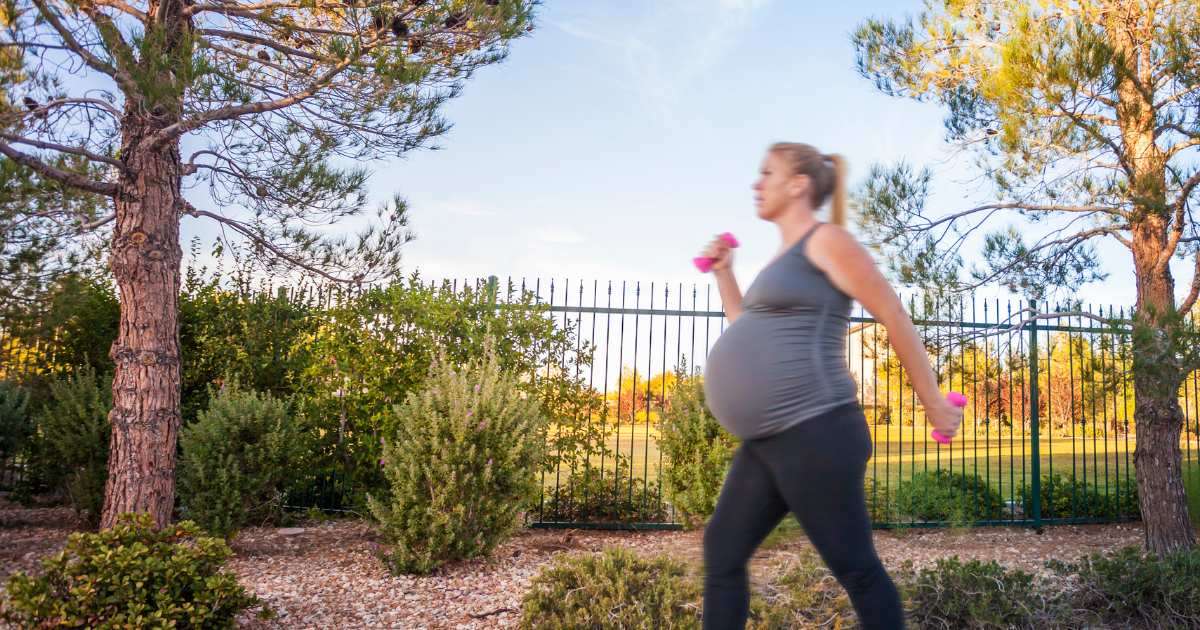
x=238, y=458
x=132, y=577
x=1132, y=587
x=594, y=495
x=15, y=427
x=70, y=450
x=696, y=450
x=941, y=495
x=1074, y=497
x=614, y=590
x=800, y=593
x=461, y=467
x=880, y=503
x=980, y=595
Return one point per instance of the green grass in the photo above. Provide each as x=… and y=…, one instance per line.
x=1191, y=485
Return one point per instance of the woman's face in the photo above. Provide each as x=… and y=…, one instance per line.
x=776, y=188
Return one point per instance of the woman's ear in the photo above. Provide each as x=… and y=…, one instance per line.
x=798, y=186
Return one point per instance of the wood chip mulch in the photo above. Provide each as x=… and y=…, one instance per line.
x=327, y=577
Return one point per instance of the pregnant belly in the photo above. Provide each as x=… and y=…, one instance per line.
x=765, y=374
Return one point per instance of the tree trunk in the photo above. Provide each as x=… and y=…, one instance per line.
x=1159, y=463
x=145, y=261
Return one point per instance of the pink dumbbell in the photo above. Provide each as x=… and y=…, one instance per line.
x=958, y=400
x=705, y=264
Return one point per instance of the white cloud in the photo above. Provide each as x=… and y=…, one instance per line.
x=673, y=42
x=556, y=234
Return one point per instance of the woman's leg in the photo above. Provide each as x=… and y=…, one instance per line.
x=749, y=508
x=819, y=467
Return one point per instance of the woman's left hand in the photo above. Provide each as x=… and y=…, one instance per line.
x=944, y=416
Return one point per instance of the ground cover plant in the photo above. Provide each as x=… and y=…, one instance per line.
x=1134, y=587
x=238, y=458
x=982, y=595
x=613, y=590
x=461, y=467
x=131, y=576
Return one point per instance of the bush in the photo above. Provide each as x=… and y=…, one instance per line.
x=70, y=450
x=15, y=427
x=880, y=503
x=461, y=467
x=1132, y=587
x=603, y=496
x=1073, y=497
x=978, y=595
x=696, y=450
x=238, y=458
x=613, y=590
x=800, y=593
x=132, y=577
x=941, y=495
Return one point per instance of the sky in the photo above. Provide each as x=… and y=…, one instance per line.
x=621, y=135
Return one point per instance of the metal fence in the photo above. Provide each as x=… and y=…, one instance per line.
x=1048, y=436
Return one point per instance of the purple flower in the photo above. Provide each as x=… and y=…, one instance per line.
x=477, y=388
x=483, y=425
x=452, y=374
x=470, y=413
x=382, y=441
x=489, y=462
x=222, y=387
x=435, y=392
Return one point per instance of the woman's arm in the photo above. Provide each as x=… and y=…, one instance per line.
x=722, y=268
x=850, y=268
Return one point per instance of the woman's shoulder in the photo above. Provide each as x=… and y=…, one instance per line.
x=832, y=244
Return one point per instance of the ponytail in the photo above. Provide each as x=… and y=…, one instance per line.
x=837, y=206
x=827, y=174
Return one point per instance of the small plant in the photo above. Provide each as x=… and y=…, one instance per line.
x=800, y=593
x=1136, y=588
x=596, y=495
x=980, y=595
x=697, y=450
x=880, y=504
x=461, y=468
x=1074, y=497
x=72, y=441
x=613, y=590
x=132, y=577
x=238, y=458
x=941, y=495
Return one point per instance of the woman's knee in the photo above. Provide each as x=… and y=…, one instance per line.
x=862, y=578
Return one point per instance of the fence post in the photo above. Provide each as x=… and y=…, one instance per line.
x=1035, y=450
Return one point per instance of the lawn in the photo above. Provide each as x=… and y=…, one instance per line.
x=900, y=451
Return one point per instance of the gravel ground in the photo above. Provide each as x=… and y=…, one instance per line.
x=327, y=578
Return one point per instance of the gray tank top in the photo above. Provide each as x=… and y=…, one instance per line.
x=783, y=360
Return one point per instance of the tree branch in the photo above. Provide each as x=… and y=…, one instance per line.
x=61, y=149
x=68, y=38
x=70, y=179
x=124, y=8
x=1190, y=300
x=242, y=229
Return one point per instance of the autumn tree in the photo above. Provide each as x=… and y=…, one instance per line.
x=1082, y=117
x=280, y=104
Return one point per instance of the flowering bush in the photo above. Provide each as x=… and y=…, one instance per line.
x=460, y=468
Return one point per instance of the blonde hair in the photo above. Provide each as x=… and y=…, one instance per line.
x=826, y=172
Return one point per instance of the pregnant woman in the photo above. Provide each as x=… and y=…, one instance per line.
x=778, y=379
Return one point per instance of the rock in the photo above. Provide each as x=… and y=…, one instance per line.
x=290, y=531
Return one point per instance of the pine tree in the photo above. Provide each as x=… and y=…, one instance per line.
x=1082, y=116
x=279, y=105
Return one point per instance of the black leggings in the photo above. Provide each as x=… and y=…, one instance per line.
x=814, y=470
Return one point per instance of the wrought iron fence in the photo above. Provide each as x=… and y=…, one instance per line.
x=1048, y=436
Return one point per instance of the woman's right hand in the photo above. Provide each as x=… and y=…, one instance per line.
x=721, y=254
x=944, y=417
